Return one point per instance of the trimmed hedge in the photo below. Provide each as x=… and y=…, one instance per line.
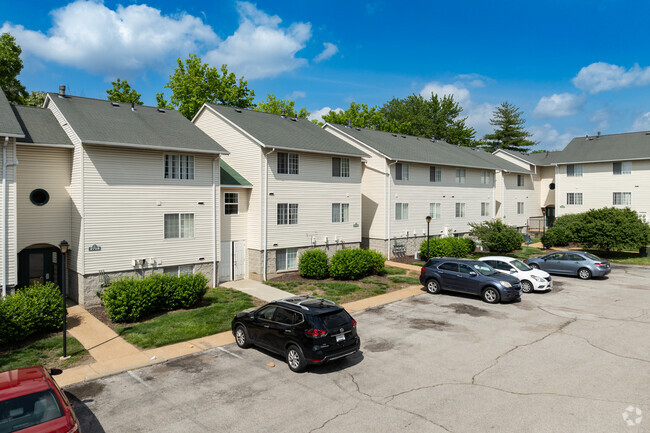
x=313, y=264
x=36, y=309
x=130, y=299
x=355, y=263
x=446, y=247
x=497, y=236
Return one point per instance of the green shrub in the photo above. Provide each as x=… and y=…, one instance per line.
x=556, y=237
x=611, y=228
x=471, y=245
x=313, y=264
x=445, y=247
x=34, y=310
x=355, y=263
x=377, y=262
x=497, y=236
x=130, y=299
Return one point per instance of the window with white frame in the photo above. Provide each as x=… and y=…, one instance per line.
x=287, y=213
x=573, y=198
x=435, y=174
x=401, y=211
x=623, y=198
x=179, y=225
x=231, y=203
x=624, y=167
x=520, y=208
x=288, y=163
x=486, y=177
x=401, y=171
x=485, y=209
x=340, y=212
x=286, y=259
x=574, y=170
x=178, y=166
x=434, y=211
x=179, y=270
x=460, y=175
x=340, y=167
x=521, y=180
x=460, y=210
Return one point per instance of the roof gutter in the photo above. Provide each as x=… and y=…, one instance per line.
x=5, y=230
x=388, y=208
x=265, y=240
x=160, y=148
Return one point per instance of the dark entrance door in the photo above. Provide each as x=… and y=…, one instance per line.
x=550, y=216
x=38, y=265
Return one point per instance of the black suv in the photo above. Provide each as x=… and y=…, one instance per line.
x=304, y=329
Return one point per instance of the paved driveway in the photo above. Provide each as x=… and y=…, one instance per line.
x=571, y=360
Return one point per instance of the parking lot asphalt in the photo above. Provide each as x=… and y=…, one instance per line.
x=574, y=359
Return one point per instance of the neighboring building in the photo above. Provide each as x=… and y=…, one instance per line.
x=306, y=187
x=406, y=179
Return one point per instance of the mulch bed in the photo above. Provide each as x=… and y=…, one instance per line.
x=295, y=276
x=404, y=259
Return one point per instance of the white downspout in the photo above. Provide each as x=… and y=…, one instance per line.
x=4, y=213
x=215, y=282
x=266, y=210
x=388, y=213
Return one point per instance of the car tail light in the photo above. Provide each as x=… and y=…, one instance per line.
x=354, y=323
x=421, y=271
x=316, y=332
x=74, y=429
x=600, y=263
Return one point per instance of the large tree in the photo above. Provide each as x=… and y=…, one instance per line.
x=161, y=102
x=272, y=104
x=122, y=92
x=195, y=83
x=35, y=98
x=509, y=132
x=360, y=115
x=10, y=67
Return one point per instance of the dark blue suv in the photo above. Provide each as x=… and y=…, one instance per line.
x=469, y=276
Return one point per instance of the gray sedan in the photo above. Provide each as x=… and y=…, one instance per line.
x=584, y=265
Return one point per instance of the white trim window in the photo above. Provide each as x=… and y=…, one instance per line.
x=520, y=208
x=401, y=171
x=486, y=177
x=460, y=210
x=435, y=174
x=624, y=167
x=434, y=211
x=574, y=170
x=623, y=198
x=573, y=198
x=286, y=259
x=485, y=209
x=231, y=203
x=287, y=213
x=521, y=180
x=340, y=212
x=340, y=167
x=461, y=175
x=288, y=163
x=401, y=211
x=178, y=166
x=178, y=225
x=179, y=270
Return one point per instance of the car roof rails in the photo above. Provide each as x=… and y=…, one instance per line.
x=300, y=300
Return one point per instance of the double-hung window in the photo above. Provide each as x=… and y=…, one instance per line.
x=288, y=163
x=485, y=209
x=231, y=203
x=460, y=175
x=435, y=174
x=622, y=167
x=287, y=213
x=179, y=225
x=460, y=210
x=623, y=198
x=521, y=180
x=340, y=212
x=340, y=167
x=520, y=208
x=434, y=211
x=401, y=211
x=573, y=198
x=286, y=259
x=401, y=171
x=486, y=177
x=178, y=166
x=574, y=170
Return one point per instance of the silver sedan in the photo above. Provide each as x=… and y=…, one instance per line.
x=579, y=263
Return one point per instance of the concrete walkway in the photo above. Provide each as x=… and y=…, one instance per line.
x=257, y=289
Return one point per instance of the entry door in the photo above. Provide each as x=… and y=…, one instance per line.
x=239, y=260
x=550, y=216
x=38, y=265
x=225, y=266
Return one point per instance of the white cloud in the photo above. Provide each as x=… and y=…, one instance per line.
x=600, y=76
x=125, y=41
x=559, y=105
x=460, y=93
x=318, y=114
x=642, y=123
x=329, y=50
x=478, y=117
x=473, y=80
x=260, y=48
x=296, y=94
x=601, y=118
x=549, y=138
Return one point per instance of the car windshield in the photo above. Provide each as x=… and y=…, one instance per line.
x=484, y=269
x=520, y=265
x=29, y=410
x=592, y=257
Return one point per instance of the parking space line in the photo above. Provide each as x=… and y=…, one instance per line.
x=229, y=352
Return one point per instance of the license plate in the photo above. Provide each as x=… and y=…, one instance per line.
x=340, y=338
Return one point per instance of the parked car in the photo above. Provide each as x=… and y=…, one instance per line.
x=531, y=279
x=31, y=401
x=469, y=276
x=304, y=329
x=584, y=265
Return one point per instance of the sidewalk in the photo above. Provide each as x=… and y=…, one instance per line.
x=257, y=289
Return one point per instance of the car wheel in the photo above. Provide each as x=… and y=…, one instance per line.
x=584, y=273
x=241, y=337
x=433, y=286
x=527, y=286
x=534, y=265
x=296, y=359
x=491, y=295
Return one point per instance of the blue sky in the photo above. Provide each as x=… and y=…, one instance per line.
x=573, y=67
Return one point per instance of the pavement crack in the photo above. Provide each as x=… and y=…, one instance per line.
x=336, y=416
x=605, y=350
x=354, y=381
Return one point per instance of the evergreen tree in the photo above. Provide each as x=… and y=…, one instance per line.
x=509, y=132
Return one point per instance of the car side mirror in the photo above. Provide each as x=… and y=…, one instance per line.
x=251, y=314
x=512, y=271
x=55, y=371
x=473, y=274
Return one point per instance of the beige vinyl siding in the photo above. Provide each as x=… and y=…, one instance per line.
x=12, y=265
x=523, y=164
x=519, y=194
x=49, y=169
x=235, y=227
x=547, y=195
x=247, y=159
x=126, y=198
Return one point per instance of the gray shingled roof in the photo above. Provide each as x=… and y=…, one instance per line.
x=274, y=131
x=615, y=147
x=40, y=126
x=541, y=158
x=9, y=125
x=408, y=148
x=100, y=122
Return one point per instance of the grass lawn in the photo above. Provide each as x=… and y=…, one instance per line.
x=219, y=307
x=45, y=351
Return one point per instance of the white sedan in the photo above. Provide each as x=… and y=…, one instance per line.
x=531, y=279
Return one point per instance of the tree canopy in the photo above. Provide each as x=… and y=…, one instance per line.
x=161, y=102
x=272, y=104
x=35, y=99
x=194, y=83
x=360, y=115
x=122, y=92
x=10, y=67
x=509, y=132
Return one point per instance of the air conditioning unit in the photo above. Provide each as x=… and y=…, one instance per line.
x=417, y=255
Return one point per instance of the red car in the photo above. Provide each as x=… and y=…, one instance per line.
x=31, y=401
